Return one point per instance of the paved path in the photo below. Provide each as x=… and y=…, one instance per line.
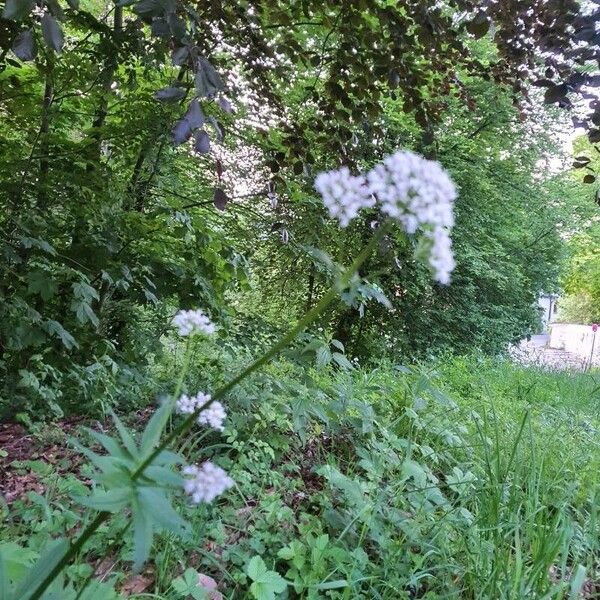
x=535, y=352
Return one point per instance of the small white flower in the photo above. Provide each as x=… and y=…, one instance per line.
x=343, y=194
x=420, y=194
x=193, y=321
x=206, y=482
x=214, y=415
x=414, y=190
x=440, y=256
x=186, y=405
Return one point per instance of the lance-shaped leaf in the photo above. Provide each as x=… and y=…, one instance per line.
x=208, y=81
x=218, y=128
x=225, y=105
x=155, y=427
x=111, y=500
x=52, y=33
x=24, y=46
x=41, y=569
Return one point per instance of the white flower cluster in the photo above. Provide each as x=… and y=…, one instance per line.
x=415, y=191
x=206, y=482
x=214, y=415
x=343, y=194
x=193, y=321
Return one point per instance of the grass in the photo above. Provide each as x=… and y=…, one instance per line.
x=469, y=478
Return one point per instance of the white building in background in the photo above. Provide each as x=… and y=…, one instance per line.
x=548, y=305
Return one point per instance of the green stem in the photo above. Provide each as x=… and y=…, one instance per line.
x=308, y=318
x=187, y=424
x=72, y=550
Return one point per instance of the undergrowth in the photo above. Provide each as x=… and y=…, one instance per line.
x=468, y=478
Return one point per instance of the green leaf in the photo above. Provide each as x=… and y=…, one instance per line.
x=16, y=560
x=51, y=557
x=333, y=585
x=155, y=427
x=4, y=582
x=111, y=500
x=85, y=292
x=577, y=582
x=84, y=312
x=125, y=436
x=265, y=583
x=160, y=511
x=110, y=444
x=142, y=535
x=188, y=584
x=55, y=328
x=17, y=9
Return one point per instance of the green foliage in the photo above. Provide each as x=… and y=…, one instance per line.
x=265, y=584
x=467, y=477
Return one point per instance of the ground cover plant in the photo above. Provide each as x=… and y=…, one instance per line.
x=469, y=478
x=261, y=263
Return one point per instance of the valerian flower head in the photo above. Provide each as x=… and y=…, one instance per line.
x=414, y=190
x=205, y=482
x=343, y=194
x=186, y=405
x=410, y=189
x=214, y=416
x=193, y=321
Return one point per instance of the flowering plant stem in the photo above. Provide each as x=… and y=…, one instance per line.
x=187, y=424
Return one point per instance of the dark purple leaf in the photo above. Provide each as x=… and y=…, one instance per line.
x=225, y=104
x=160, y=28
x=594, y=135
x=543, y=83
x=589, y=179
x=24, y=46
x=202, y=142
x=180, y=56
x=177, y=26
x=52, y=33
x=194, y=114
x=181, y=132
x=218, y=128
x=556, y=93
x=208, y=81
x=220, y=199
x=170, y=94
x=17, y=9
x=479, y=25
